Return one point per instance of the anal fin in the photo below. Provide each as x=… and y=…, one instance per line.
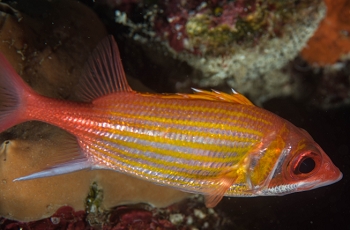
x=58, y=170
x=67, y=157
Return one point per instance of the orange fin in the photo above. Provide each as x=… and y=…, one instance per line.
x=103, y=73
x=229, y=176
x=214, y=96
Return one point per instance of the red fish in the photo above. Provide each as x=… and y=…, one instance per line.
x=211, y=143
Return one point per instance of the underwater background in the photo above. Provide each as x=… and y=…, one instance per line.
x=304, y=77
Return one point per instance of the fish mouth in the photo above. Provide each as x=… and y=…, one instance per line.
x=301, y=186
x=328, y=174
x=319, y=183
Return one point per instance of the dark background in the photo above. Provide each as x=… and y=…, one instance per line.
x=322, y=208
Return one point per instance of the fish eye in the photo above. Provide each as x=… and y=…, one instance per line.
x=305, y=164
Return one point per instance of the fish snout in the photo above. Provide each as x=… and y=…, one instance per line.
x=329, y=173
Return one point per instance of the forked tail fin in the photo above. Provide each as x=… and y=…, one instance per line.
x=13, y=91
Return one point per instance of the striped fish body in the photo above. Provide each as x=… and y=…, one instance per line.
x=173, y=141
x=210, y=143
x=190, y=144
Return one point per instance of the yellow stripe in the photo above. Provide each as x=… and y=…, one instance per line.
x=158, y=161
x=185, y=156
x=190, y=133
x=167, y=121
x=204, y=108
x=174, y=142
x=156, y=169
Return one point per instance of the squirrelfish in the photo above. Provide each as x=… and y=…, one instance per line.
x=210, y=143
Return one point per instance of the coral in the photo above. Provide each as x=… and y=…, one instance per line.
x=64, y=218
x=238, y=44
x=191, y=214
x=138, y=219
x=212, y=28
x=249, y=58
x=332, y=38
x=248, y=45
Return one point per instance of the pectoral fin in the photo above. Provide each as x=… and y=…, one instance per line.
x=215, y=195
x=238, y=173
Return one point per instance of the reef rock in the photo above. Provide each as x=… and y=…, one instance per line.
x=238, y=44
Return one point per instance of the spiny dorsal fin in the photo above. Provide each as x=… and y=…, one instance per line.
x=103, y=73
x=215, y=96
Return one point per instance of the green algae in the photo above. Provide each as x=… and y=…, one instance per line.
x=202, y=34
x=211, y=35
x=94, y=199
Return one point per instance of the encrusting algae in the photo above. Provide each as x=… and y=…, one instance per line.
x=244, y=45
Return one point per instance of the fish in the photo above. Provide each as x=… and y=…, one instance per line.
x=211, y=143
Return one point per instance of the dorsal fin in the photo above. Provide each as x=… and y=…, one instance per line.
x=103, y=73
x=214, y=96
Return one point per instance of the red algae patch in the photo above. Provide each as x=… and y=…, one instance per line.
x=64, y=218
x=189, y=214
x=332, y=38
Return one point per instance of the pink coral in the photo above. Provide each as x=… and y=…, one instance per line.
x=121, y=218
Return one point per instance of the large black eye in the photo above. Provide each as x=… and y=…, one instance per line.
x=306, y=165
